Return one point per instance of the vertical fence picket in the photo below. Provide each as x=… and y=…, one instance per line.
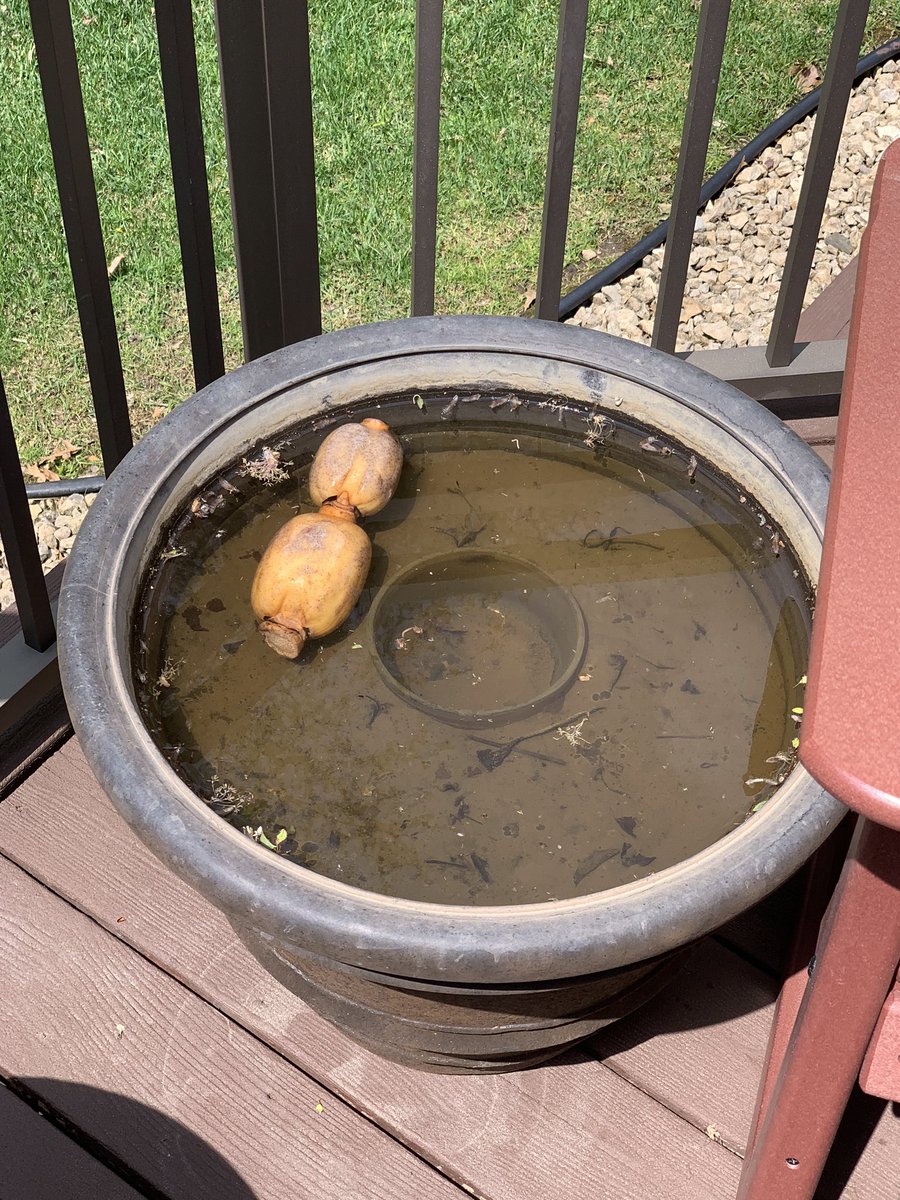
x=51, y=22
x=839, y=73
x=181, y=91
x=19, y=545
x=267, y=101
x=561, y=154
x=429, y=16
x=708, y=50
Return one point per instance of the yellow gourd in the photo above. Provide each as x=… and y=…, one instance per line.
x=313, y=570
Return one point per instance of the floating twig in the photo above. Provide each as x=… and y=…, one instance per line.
x=544, y=758
x=617, y=539
x=620, y=662
x=491, y=759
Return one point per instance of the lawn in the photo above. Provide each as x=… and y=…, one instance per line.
x=496, y=103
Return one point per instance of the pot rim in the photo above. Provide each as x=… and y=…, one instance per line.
x=420, y=940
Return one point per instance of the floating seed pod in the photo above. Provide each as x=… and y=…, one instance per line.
x=315, y=567
x=309, y=578
x=357, y=464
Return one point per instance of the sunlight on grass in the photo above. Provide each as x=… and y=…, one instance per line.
x=496, y=103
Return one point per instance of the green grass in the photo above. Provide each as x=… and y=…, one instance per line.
x=496, y=103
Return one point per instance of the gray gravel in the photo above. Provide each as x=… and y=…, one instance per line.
x=55, y=524
x=740, y=245
x=741, y=238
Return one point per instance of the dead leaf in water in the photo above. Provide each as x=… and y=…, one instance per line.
x=592, y=862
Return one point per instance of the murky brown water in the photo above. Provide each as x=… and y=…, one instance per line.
x=696, y=635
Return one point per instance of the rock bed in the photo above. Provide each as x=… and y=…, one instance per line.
x=55, y=524
x=741, y=238
x=740, y=246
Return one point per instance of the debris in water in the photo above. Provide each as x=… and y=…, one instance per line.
x=572, y=734
x=191, y=614
x=599, y=429
x=544, y=758
x=635, y=859
x=265, y=469
x=617, y=539
x=652, y=445
x=620, y=662
x=402, y=642
x=481, y=867
x=491, y=759
x=378, y=707
x=627, y=825
x=656, y=666
x=592, y=862
x=462, y=538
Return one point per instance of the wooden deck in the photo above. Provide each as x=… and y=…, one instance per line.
x=146, y=1053
x=172, y=1065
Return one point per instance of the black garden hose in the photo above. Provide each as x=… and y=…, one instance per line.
x=793, y=116
x=55, y=489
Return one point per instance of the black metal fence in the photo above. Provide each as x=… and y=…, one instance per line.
x=266, y=96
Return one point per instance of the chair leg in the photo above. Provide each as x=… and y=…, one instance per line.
x=822, y=874
x=856, y=961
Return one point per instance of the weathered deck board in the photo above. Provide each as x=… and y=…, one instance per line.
x=38, y=1162
x=572, y=1127
x=193, y=1104
x=827, y=318
x=699, y=1042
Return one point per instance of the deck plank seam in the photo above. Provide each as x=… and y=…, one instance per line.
x=85, y=1141
x=675, y=1112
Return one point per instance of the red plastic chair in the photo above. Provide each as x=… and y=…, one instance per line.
x=841, y=1020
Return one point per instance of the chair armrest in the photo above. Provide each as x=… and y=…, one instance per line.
x=850, y=738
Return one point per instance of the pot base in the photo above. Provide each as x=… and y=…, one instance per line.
x=456, y=1029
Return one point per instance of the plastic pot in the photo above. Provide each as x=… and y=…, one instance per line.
x=441, y=987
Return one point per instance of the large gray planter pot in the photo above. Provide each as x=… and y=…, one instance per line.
x=440, y=987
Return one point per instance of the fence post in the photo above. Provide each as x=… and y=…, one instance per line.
x=19, y=544
x=267, y=101
x=54, y=43
x=570, y=41
x=181, y=91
